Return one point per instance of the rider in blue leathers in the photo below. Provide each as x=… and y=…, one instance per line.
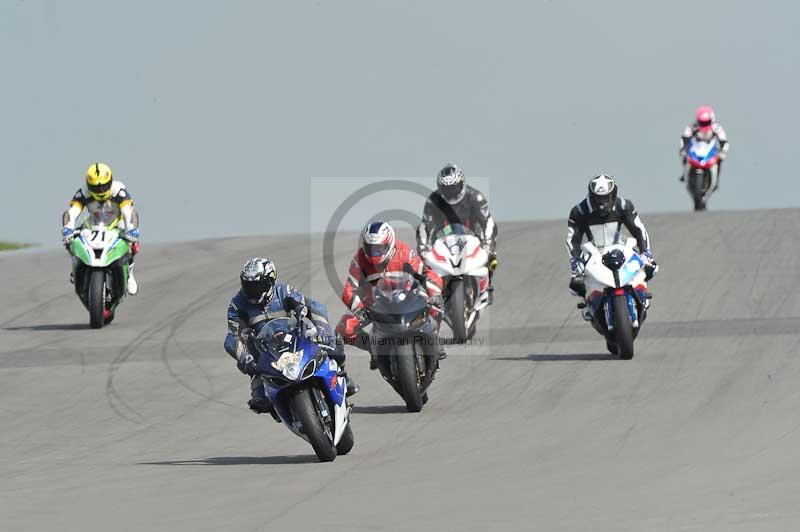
x=261, y=299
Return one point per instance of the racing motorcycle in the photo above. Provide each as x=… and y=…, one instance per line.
x=703, y=158
x=304, y=385
x=458, y=257
x=100, y=270
x=616, y=293
x=403, y=335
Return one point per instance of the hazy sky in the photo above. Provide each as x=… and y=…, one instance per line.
x=218, y=114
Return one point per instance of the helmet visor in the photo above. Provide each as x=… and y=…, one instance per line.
x=376, y=250
x=451, y=191
x=258, y=290
x=603, y=203
x=100, y=189
x=704, y=123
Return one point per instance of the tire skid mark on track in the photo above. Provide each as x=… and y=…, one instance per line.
x=36, y=308
x=179, y=321
x=130, y=349
x=174, y=326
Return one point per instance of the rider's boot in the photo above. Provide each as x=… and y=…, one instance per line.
x=132, y=286
x=373, y=361
x=493, y=263
x=339, y=357
x=577, y=286
x=352, y=387
x=259, y=402
x=440, y=352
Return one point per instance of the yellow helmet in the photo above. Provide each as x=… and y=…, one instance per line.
x=98, y=181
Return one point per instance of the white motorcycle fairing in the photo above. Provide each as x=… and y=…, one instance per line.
x=598, y=278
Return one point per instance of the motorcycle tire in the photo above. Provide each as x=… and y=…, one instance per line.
x=408, y=377
x=623, y=328
x=456, y=309
x=346, y=442
x=303, y=409
x=95, y=298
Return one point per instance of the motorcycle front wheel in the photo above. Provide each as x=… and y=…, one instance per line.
x=623, y=328
x=408, y=377
x=302, y=407
x=96, y=299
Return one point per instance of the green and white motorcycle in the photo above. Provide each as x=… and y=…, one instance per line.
x=100, y=269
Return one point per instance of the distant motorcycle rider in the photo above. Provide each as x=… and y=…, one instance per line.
x=455, y=202
x=705, y=128
x=381, y=252
x=599, y=218
x=261, y=299
x=105, y=199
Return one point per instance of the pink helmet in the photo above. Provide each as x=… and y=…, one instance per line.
x=704, y=118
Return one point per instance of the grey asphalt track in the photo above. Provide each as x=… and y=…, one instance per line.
x=142, y=425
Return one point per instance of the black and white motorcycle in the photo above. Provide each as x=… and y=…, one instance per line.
x=458, y=257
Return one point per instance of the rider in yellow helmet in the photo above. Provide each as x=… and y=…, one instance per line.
x=105, y=199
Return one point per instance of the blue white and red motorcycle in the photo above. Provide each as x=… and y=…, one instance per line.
x=703, y=166
x=616, y=293
x=304, y=385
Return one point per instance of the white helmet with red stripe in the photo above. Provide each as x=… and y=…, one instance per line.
x=378, y=242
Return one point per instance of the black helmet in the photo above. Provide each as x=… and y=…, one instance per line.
x=258, y=280
x=450, y=183
x=602, y=193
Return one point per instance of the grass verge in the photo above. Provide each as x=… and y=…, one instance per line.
x=5, y=246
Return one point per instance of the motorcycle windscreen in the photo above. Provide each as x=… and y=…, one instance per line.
x=701, y=150
x=395, y=298
x=453, y=229
x=275, y=337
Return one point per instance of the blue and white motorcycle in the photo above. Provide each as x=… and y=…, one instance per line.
x=616, y=293
x=304, y=385
x=702, y=158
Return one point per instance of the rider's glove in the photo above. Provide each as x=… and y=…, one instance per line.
x=424, y=249
x=651, y=267
x=247, y=364
x=132, y=235
x=361, y=315
x=68, y=235
x=576, y=265
x=437, y=301
x=300, y=311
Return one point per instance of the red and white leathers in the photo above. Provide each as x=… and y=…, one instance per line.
x=705, y=133
x=363, y=274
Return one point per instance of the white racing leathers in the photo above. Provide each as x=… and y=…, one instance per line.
x=602, y=230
